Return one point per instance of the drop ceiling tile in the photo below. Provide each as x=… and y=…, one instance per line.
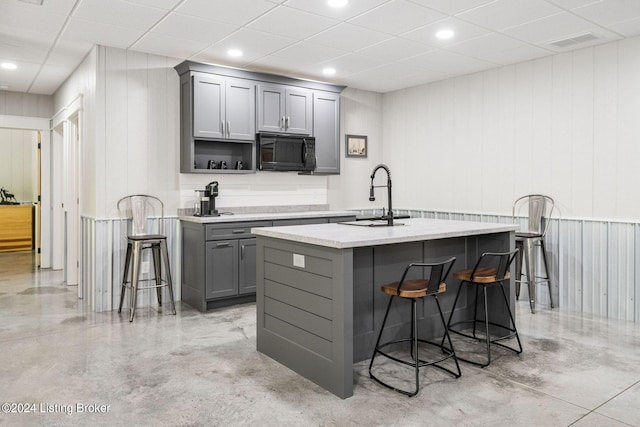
x=306, y=53
x=447, y=62
x=502, y=14
x=119, y=12
x=452, y=7
x=485, y=45
x=19, y=79
x=608, y=12
x=237, y=12
x=69, y=53
x=551, y=28
x=193, y=28
x=395, y=49
x=630, y=28
x=294, y=23
x=162, y=4
x=31, y=19
x=14, y=49
x=348, y=37
x=254, y=44
x=345, y=65
x=463, y=31
x=572, y=4
x=391, y=77
x=517, y=54
x=396, y=17
x=50, y=79
x=170, y=46
x=101, y=33
x=48, y=8
x=353, y=8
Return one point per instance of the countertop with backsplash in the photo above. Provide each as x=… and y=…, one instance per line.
x=262, y=213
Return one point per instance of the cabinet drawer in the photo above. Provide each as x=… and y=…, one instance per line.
x=230, y=230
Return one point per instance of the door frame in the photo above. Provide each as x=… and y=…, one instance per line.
x=42, y=125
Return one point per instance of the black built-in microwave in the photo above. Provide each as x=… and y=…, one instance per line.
x=278, y=152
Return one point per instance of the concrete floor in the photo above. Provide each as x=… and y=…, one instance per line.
x=202, y=369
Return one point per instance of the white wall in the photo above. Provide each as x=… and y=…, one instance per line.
x=25, y=104
x=565, y=125
x=360, y=114
x=18, y=163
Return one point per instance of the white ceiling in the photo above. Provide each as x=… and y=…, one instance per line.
x=379, y=45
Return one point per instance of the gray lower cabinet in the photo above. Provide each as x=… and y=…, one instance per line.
x=219, y=260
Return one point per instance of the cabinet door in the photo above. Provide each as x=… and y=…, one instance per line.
x=326, y=126
x=298, y=117
x=240, y=110
x=208, y=106
x=271, y=109
x=221, y=269
x=247, y=279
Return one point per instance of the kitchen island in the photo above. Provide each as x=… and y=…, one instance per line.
x=318, y=297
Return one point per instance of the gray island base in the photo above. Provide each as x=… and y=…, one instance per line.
x=318, y=297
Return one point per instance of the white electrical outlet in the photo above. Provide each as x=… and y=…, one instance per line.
x=144, y=267
x=298, y=260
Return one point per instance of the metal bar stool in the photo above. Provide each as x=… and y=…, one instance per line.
x=539, y=208
x=415, y=289
x=492, y=269
x=139, y=208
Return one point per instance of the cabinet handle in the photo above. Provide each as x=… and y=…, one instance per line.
x=287, y=122
x=222, y=244
x=282, y=122
x=228, y=129
x=240, y=231
x=241, y=251
x=222, y=128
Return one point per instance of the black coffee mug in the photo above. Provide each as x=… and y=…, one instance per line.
x=239, y=164
x=212, y=164
x=223, y=164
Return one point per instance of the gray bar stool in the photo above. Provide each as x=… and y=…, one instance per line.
x=539, y=209
x=140, y=209
x=415, y=289
x=492, y=269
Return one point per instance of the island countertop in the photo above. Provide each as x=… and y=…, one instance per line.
x=342, y=236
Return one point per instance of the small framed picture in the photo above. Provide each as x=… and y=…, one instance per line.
x=356, y=145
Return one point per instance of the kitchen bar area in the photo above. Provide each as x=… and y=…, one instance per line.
x=319, y=306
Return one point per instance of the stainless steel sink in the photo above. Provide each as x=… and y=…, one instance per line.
x=370, y=223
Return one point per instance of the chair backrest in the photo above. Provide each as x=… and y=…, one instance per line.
x=438, y=272
x=538, y=208
x=500, y=261
x=140, y=209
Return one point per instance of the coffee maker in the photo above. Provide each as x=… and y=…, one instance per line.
x=208, y=200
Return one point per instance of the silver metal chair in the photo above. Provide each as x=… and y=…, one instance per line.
x=537, y=208
x=145, y=233
x=415, y=289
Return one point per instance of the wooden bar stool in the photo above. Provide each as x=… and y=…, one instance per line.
x=492, y=269
x=415, y=289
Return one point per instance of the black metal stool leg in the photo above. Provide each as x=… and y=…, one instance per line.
x=384, y=322
x=486, y=325
x=414, y=332
x=520, y=247
x=446, y=335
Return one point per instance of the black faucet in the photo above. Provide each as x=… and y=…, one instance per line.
x=389, y=216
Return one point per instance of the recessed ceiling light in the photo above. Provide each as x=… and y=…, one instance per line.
x=8, y=66
x=337, y=3
x=329, y=71
x=445, y=34
x=234, y=52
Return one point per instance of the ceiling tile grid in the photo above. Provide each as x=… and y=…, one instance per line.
x=378, y=45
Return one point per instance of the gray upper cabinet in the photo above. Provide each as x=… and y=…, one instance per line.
x=326, y=125
x=223, y=108
x=285, y=109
